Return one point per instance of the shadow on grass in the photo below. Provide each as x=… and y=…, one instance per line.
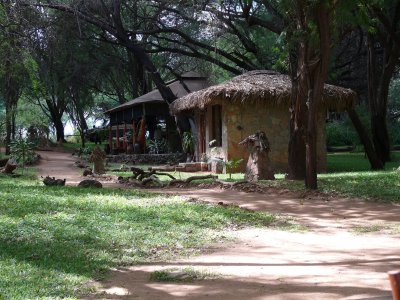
x=68, y=235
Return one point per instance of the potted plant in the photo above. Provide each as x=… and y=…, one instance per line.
x=188, y=144
x=129, y=143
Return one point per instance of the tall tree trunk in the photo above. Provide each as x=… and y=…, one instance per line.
x=8, y=128
x=298, y=119
x=82, y=135
x=13, y=123
x=374, y=160
x=11, y=95
x=59, y=127
x=11, y=99
x=307, y=89
x=82, y=129
x=379, y=76
x=318, y=72
x=55, y=111
x=311, y=141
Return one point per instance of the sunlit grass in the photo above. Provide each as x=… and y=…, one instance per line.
x=53, y=240
x=391, y=228
x=356, y=162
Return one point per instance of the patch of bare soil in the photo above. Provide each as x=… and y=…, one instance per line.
x=61, y=165
x=349, y=246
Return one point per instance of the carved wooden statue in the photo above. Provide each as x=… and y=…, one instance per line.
x=258, y=165
x=97, y=157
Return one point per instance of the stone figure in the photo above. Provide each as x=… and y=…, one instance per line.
x=97, y=157
x=258, y=165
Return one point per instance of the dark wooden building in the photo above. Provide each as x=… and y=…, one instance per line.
x=153, y=111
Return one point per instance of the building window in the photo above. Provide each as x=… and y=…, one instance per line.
x=216, y=125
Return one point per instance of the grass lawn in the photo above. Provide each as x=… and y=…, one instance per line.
x=379, y=186
x=349, y=174
x=356, y=162
x=55, y=239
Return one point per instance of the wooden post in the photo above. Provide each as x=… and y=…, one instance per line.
x=117, y=136
x=394, y=277
x=142, y=135
x=125, y=141
x=110, y=138
x=133, y=132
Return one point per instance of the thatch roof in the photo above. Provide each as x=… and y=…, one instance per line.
x=260, y=87
x=190, y=82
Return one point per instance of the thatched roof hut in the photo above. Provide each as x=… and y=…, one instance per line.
x=268, y=87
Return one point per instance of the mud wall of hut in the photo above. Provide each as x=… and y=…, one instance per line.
x=240, y=121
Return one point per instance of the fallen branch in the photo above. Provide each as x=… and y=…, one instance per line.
x=144, y=175
x=192, y=178
x=152, y=178
x=164, y=174
x=230, y=184
x=137, y=172
x=140, y=174
x=210, y=176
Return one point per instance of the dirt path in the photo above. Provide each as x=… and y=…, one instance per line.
x=328, y=261
x=61, y=165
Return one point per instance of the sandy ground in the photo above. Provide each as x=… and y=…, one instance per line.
x=328, y=261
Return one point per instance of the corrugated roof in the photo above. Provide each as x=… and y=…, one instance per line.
x=189, y=82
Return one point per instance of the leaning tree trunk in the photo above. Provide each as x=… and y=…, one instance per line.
x=380, y=135
x=144, y=59
x=379, y=114
x=379, y=76
x=374, y=160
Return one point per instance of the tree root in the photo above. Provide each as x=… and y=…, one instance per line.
x=230, y=185
x=192, y=178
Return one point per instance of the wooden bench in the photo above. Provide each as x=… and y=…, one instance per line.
x=394, y=277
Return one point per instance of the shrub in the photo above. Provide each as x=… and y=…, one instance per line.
x=157, y=146
x=188, y=142
x=340, y=134
x=22, y=151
